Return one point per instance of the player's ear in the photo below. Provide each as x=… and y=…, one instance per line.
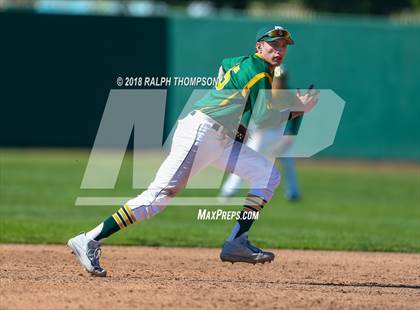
x=258, y=46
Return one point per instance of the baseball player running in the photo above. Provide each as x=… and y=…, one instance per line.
x=203, y=138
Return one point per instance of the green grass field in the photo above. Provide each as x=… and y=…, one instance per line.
x=343, y=208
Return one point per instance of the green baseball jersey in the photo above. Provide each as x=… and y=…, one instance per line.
x=238, y=95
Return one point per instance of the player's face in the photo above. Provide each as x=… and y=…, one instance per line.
x=274, y=52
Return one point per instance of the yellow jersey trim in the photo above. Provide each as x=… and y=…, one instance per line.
x=254, y=80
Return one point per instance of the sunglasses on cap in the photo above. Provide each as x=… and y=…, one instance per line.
x=277, y=33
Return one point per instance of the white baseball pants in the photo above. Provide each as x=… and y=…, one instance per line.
x=199, y=141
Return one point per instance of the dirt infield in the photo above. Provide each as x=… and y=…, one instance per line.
x=48, y=277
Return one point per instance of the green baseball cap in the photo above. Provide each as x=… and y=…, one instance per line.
x=273, y=33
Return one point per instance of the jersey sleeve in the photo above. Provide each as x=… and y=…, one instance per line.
x=293, y=125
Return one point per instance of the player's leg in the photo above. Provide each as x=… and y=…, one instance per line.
x=275, y=144
x=195, y=144
x=264, y=178
x=233, y=181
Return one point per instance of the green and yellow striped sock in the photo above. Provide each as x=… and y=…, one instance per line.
x=117, y=221
x=252, y=204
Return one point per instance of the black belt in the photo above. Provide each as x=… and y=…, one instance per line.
x=237, y=135
x=215, y=126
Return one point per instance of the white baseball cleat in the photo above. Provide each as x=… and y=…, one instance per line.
x=88, y=252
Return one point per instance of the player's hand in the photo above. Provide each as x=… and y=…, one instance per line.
x=307, y=101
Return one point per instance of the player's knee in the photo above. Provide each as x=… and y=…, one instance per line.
x=171, y=191
x=266, y=191
x=146, y=212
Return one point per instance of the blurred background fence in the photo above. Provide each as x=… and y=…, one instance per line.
x=57, y=71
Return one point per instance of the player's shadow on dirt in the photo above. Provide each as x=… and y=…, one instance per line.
x=331, y=284
x=378, y=285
